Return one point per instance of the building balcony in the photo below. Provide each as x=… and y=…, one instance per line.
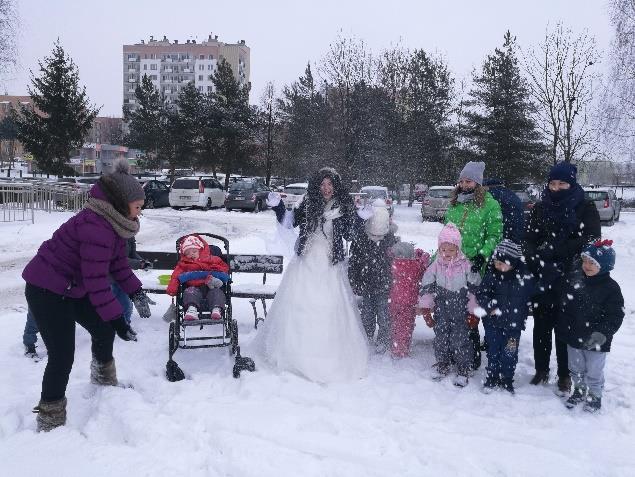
x=132, y=59
x=168, y=60
x=132, y=101
x=131, y=70
x=132, y=80
x=167, y=70
x=131, y=90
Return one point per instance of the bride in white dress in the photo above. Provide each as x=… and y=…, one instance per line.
x=314, y=328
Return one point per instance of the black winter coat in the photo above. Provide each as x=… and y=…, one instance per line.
x=513, y=214
x=591, y=304
x=510, y=292
x=342, y=227
x=369, y=267
x=540, y=233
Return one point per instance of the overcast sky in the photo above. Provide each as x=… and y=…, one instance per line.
x=283, y=34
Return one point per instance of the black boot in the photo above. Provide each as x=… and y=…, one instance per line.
x=541, y=377
x=490, y=384
x=50, y=414
x=508, y=385
x=30, y=352
x=593, y=403
x=578, y=396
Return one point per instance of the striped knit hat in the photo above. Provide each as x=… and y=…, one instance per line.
x=508, y=251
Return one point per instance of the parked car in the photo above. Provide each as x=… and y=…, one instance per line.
x=378, y=192
x=293, y=194
x=205, y=192
x=247, y=195
x=527, y=200
x=607, y=203
x=157, y=194
x=436, y=202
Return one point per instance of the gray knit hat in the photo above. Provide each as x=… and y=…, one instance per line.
x=120, y=187
x=473, y=171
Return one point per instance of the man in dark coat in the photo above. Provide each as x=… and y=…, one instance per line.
x=511, y=207
x=559, y=228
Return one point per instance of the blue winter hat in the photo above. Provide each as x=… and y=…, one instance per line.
x=564, y=171
x=602, y=253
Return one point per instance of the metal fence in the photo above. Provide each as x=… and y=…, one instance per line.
x=19, y=200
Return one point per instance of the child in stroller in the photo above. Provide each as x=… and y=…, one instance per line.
x=203, y=275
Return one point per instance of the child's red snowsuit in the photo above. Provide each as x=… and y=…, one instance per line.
x=406, y=276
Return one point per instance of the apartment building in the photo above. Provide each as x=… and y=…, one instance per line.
x=171, y=65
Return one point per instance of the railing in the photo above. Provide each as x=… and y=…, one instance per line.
x=16, y=202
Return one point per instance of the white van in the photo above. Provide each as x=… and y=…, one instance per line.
x=205, y=192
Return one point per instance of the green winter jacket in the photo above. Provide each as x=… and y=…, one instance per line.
x=481, y=227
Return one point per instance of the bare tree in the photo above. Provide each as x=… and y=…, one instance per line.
x=269, y=107
x=562, y=74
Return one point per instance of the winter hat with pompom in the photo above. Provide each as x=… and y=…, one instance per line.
x=120, y=187
x=508, y=252
x=602, y=253
x=190, y=242
x=450, y=234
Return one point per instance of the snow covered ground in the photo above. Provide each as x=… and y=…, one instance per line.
x=394, y=422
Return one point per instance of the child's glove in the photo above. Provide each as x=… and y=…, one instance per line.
x=213, y=282
x=594, y=342
x=273, y=199
x=142, y=303
x=145, y=265
x=427, y=317
x=123, y=330
x=472, y=320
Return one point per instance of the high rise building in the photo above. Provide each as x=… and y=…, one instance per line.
x=171, y=65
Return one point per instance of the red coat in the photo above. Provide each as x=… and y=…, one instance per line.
x=406, y=277
x=205, y=262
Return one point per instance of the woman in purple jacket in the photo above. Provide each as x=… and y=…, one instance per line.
x=69, y=279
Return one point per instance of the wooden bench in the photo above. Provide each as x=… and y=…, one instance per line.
x=164, y=262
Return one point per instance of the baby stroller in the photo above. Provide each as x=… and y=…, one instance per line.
x=227, y=335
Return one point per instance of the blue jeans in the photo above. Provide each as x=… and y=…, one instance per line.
x=124, y=300
x=502, y=351
x=30, y=330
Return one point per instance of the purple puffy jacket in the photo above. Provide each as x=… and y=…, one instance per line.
x=81, y=258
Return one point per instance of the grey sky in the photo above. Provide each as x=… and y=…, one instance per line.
x=283, y=35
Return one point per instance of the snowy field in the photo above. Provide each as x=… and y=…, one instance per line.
x=395, y=422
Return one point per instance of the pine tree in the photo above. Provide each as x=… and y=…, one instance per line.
x=62, y=116
x=185, y=126
x=499, y=123
x=236, y=117
x=147, y=123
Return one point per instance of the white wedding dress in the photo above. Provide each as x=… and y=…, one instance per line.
x=314, y=328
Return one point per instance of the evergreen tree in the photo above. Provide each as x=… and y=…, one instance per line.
x=499, y=123
x=236, y=118
x=62, y=116
x=8, y=138
x=147, y=123
x=185, y=126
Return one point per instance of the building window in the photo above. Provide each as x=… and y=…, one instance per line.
x=210, y=89
x=130, y=77
x=176, y=69
x=200, y=89
x=132, y=56
x=200, y=77
x=210, y=77
x=201, y=57
x=153, y=56
x=211, y=57
x=153, y=67
x=145, y=67
x=153, y=77
x=201, y=67
x=210, y=67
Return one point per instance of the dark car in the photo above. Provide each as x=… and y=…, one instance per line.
x=157, y=194
x=527, y=200
x=247, y=195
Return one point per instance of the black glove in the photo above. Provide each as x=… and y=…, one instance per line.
x=142, y=303
x=123, y=330
x=594, y=342
x=477, y=263
x=145, y=265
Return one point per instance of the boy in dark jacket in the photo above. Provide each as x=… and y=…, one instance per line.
x=504, y=299
x=592, y=312
x=370, y=274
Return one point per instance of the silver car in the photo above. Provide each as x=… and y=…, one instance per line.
x=607, y=203
x=436, y=202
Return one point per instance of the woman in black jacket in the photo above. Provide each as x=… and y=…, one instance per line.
x=559, y=228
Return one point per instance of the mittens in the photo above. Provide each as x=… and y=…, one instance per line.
x=142, y=303
x=472, y=321
x=213, y=282
x=123, y=330
x=594, y=342
x=427, y=317
x=273, y=199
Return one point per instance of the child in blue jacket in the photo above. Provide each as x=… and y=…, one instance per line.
x=504, y=297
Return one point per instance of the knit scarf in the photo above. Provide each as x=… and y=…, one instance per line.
x=464, y=197
x=123, y=226
x=560, y=209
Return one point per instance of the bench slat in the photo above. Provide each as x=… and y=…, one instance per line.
x=237, y=262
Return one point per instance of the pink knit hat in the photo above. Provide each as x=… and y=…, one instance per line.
x=450, y=234
x=191, y=241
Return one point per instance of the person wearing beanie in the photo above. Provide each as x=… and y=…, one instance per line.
x=560, y=225
x=369, y=272
x=446, y=289
x=480, y=220
x=68, y=282
x=202, y=291
x=504, y=298
x=592, y=311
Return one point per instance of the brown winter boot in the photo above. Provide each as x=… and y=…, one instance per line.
x=50, y=414
x=104, y=374
x=564, y=386
x=540, y=378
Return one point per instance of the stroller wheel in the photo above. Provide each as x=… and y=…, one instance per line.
x=173, y=372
